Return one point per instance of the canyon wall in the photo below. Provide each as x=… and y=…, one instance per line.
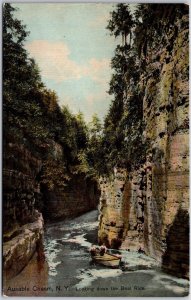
x=26, y=203
x=79, y=196
x=148, y=207
x=22, y=223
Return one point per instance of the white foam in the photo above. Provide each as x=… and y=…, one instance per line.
x=133, y=259
x=169, y=282
x=79, y=239
x=88, y=276
x=51, y=254
x=76, y=226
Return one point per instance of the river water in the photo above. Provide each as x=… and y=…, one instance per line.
x=68, y=270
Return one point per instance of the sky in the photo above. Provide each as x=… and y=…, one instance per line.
x=73, y=49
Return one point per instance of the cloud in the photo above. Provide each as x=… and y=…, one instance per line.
x=80, y=86
x=96, y=103
x=90, y=104
x=55, y=63
x=71, y=102
x=98, y=70
x=53, y=60
x=100, y=20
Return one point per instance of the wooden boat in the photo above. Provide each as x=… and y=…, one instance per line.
x=109, y=260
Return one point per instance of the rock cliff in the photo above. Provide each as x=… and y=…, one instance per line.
x=22, y=223
x=19, y=249
x=20, y=189
x=148, y=206
x=27, y=202
x=79, y=196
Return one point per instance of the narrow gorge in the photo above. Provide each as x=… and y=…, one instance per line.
x=133, y=168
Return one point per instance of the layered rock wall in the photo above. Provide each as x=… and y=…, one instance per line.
x=166, y=120
x=114, y=208
x=22, y=223
x=154, y=209
x=20, y=248
x=23, y=194
x=20, y=188
x=79, y=196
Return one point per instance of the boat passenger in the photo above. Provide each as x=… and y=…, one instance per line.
x=140, y=250
x=102, y=250
x=93, y=250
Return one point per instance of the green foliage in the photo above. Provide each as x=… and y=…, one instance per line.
x=32, y=116
x=119, y=120
x=117, y=84
x=123, y=126
x=81, y=131
x=20, y=73
x=121, y=22
x=54, y=174
x=153, y=21
x=95, y=151
x=122, y=141
x=95, y=127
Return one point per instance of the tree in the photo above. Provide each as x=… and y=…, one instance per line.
x=95, y=126
x=32, y=116
x=122, y=138
x=121, y=23
x=20, y=73
x=95, y=149
x=21, y=79
x=123, y=124
x=81, y=131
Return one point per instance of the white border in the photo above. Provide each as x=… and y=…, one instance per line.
x=77, y=1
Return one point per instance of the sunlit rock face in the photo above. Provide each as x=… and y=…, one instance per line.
x=20, y=248
x=153, y=207
x=114, y=209
x=166, y=116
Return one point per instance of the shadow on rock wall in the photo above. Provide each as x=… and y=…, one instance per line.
x=176, y=258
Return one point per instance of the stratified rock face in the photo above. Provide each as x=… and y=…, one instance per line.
x=22, y=223
x=79, y=196
x=22, y=194
x=166, y=121
x=20, y=189
x=19, y=250
x=154, y=210
x=122, y=209
x=114, y=209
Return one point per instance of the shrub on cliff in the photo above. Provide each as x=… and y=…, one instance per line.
x=142, y=30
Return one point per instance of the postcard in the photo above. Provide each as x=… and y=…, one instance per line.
x=95, y=149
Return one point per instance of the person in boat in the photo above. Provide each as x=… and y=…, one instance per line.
x=102, y=250
x=93, y=250
x=141, y=250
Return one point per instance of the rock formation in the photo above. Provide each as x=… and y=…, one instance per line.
x=21, y=246
x=148, y=207
x=79, y=196
x=24, y=196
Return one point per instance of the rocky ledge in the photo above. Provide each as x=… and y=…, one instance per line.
x=18, y=250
